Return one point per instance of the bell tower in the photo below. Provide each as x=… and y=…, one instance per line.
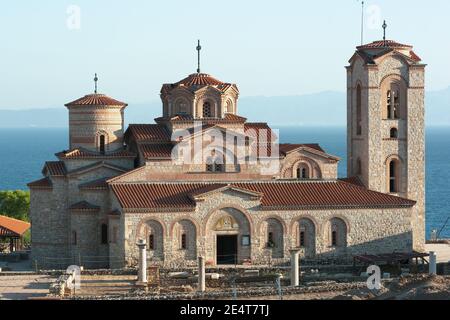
x=386, y=123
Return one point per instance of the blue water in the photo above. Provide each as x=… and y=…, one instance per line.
x=24, y=151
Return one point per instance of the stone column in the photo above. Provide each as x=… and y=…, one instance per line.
x=295, y=272
x=142, y=273
x=432, y=267
x=201, y=274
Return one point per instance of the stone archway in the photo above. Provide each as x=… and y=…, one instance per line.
x=226, y=228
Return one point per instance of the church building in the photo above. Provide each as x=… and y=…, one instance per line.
x=204, y=181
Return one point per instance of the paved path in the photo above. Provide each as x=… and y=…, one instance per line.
x=24, y=287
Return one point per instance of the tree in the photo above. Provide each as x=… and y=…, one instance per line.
x=15, y=204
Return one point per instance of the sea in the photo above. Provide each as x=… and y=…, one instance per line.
x=24, y=151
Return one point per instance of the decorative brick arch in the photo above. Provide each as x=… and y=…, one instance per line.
x=228, y=206
x=275, y=217
x=290, y=170
x=198, y=230
x=325, y=231
x=297, y=219
x=147, y=219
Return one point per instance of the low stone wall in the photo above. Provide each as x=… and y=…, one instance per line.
x=243, y=292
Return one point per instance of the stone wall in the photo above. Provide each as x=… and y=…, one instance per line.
x=364, y=231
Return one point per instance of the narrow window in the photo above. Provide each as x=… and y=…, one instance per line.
x=102, y=144
x=151, y=242
x=396, y=104
x=358, y=111
x=394, y=133
x=334, y=241
x=393, y=104
x=393, y=187
x=184, y=241
x=302, y=239
x=270, y=242
x=104, y=234
x=302, y=173
x=207, y=112
x=74, y=238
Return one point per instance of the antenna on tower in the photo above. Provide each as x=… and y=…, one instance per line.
x=362, y=22
x=199, y=48
x=95, y=81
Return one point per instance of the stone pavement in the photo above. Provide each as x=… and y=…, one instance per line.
x=23, y=287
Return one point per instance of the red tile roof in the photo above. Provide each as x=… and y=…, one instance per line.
x=276, y=195
x=353, y=180
x=149, y=133
x=55, y=168
x=44, y=183
x=96, y=100
x=84, y=206
x=288, y=147
x=383, y=44
x=234, y=117
x=199, y=79
x=156, y=151
x=80, y=153
x=10, y=227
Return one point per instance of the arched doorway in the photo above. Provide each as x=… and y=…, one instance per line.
x=228, y=237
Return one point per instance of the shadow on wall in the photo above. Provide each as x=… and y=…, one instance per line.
x=398, y=243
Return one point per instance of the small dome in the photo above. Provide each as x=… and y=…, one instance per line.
x=96, y=100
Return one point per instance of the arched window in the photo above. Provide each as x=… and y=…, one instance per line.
x=393, y=104
x=229, y=107
x=302, y=172
x=338, y=233
x=181, y=107
x=102, y=140
x=393, y=176
x=104, y=235
x=207, y=110
x=394, y=133
x=358, y=111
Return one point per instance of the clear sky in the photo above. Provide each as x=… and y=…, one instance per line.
x=272, y=48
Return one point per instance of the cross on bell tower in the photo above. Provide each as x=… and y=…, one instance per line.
x=199, y=48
